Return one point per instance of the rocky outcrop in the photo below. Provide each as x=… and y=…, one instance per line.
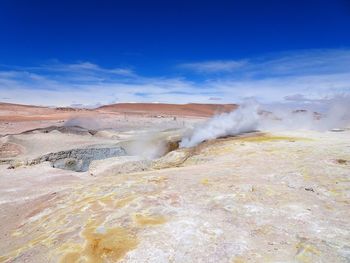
x=172, y=159
x=74, y=129
x=78, y=159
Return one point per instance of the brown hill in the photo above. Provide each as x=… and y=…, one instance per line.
x=16, y=112
x=191, y=109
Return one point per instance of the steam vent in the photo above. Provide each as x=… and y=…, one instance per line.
x=75, y=194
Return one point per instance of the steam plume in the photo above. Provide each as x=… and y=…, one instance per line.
x=244, y=119
x=320, y=115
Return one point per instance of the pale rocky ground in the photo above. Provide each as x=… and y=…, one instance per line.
x=261, y=197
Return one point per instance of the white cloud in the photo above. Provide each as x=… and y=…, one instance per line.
x=302, y=62
x=214, y=66
x=87, y=67
x=275, y=78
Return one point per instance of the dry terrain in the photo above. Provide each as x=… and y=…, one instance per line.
x=111, y=185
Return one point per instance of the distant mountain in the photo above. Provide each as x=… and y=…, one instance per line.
x=191, y=109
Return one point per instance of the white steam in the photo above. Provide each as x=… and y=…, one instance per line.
x=244, y=119
x=320, y=115
x=148, y=145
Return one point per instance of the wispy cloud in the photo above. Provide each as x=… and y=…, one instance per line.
x=86, y=67
x=304, y=62
x=89, y=84
x=214, y=66
x=293, y=76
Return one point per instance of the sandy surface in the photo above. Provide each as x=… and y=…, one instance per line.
x=262, y=197
x=18, y=118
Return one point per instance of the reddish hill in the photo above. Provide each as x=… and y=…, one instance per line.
x=17, y=112
x=192, y=109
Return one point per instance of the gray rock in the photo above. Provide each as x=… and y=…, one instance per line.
x=78, y=159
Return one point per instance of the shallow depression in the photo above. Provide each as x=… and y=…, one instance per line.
x=79, y=159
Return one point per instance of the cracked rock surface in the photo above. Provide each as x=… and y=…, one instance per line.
x=79, y=159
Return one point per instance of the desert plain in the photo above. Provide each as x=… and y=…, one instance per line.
x=112, y=185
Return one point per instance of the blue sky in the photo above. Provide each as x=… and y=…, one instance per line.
x=98, y=52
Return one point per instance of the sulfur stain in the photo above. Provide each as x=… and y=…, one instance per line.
x=71, y=257
x=218, y=150
x=157, y=180
x=142, y=219
x=334, y=192
x=72, y=252
x=306, y=252
x=238, y=260
x=225, y=148
x=88, y=199
x=111, y=245
x=17, y=233
x=107, y=200
x=38, y=240
x=271, y=192
x=205, y=181
x=3, y=259
x=306, y=175
x=269, y=138
x=123, y=202
x=95, y=207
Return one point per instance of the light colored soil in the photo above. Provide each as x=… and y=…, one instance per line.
x=125, y=116
x=10, y=150
x=265, y=197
